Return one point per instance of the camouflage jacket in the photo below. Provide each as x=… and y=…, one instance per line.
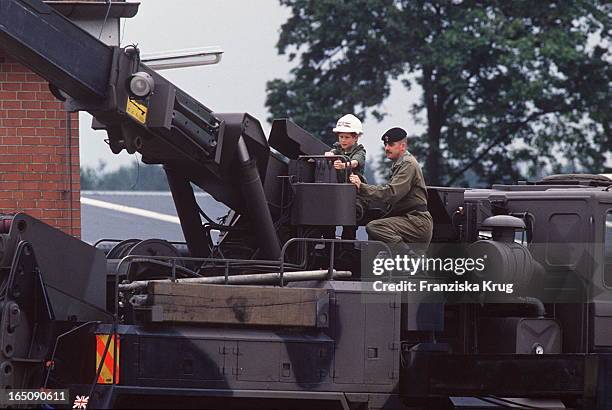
x=405, y=191
x=356, y=152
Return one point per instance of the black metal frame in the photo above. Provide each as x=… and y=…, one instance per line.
x=328, y=158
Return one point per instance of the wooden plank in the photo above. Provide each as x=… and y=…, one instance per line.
x=227, y=304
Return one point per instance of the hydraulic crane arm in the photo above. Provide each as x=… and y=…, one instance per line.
x=45, y=40
x=225, y=154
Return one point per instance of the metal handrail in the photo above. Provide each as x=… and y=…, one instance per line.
x=331, y=253
x=328, y=157
x=128, y=258
x=99, y=241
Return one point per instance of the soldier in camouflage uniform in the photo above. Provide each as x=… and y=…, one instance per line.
x=407, y=219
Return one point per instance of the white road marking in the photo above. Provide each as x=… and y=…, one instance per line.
x=198, y=194
x=157, y=215
x=131, y=210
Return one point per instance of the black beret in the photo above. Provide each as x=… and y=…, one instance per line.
x=394, y=134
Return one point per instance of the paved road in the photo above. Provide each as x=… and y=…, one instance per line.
x=141, y=215
x=123, y=215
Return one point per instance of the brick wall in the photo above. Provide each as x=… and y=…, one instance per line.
x=39, y=164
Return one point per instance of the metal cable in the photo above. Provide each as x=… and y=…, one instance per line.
x=105, y=18
x=69, y=166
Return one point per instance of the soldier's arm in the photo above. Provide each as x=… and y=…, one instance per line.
x=397, y=187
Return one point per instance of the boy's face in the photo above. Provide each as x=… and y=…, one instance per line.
x=347, y=139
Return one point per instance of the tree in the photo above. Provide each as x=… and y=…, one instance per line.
x=370, y=172
x=509, y=89
x=136, y=177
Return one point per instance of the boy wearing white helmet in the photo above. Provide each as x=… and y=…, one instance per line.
x=349, y=129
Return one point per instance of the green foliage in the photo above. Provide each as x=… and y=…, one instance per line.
x=370, y=172
x=383, y=166
x=509, y=89
x=136, y=177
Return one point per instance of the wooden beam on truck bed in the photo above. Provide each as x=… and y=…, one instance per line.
x=248, y=305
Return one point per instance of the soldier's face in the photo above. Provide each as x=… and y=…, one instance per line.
x=347, y=139
x=394, y=150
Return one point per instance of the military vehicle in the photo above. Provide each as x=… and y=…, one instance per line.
x=272, y=314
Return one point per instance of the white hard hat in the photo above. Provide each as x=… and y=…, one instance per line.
x=349, y=123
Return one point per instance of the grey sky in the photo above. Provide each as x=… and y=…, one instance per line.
x=247, y=31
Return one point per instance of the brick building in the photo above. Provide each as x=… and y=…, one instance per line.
x=39, y=150
x=39, y=140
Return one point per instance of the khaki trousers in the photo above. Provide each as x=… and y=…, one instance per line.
x=414, y=228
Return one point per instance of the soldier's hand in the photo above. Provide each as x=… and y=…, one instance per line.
x=355, y=180
x=339, y=164
x=328, y=154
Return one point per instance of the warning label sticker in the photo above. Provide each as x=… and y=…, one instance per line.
x=136, y=110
